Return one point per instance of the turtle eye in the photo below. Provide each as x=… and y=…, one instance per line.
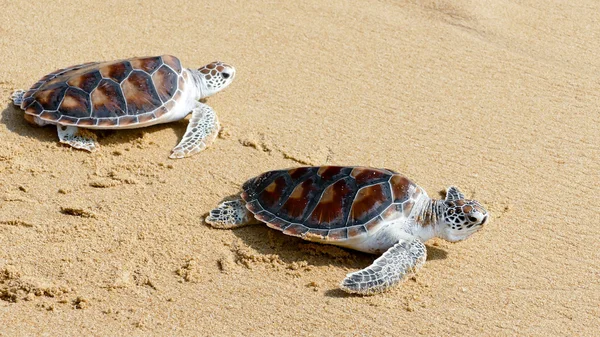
x=472, y=219
x=225, y=75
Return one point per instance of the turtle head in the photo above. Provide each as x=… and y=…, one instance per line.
x=214, y=77
x=460, y=217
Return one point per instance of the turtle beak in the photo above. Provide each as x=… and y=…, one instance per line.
x=232, y=73
x=484, y=220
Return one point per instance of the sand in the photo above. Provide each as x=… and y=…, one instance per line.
x=501, y=99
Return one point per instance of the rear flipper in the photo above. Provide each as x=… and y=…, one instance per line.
x=17, y=97
x=76, y=137
x=403, y=259
x=230, y=214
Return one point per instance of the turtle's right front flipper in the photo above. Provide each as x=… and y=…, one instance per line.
x=201, y=132
x=403, y=259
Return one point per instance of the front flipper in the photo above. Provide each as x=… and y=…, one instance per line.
x=200, y=133
x=403, y=259
x=76, y=137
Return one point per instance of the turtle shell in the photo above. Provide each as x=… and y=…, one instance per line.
x=329, y=203
x=108, y=94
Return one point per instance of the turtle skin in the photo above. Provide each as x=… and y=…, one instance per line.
x=329, y=203
x=107, y=94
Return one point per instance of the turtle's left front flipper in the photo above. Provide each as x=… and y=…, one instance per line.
x=201, y=132
x=403, y=259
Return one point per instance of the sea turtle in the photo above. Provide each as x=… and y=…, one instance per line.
x=127, y=94
x=366, y=209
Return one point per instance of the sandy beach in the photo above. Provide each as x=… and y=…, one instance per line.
x=501, y=99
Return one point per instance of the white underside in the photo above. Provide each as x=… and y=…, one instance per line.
x=383, y=239
x=182, y=108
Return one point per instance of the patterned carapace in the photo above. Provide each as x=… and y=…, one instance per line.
x=329, y=202
x=122, y=92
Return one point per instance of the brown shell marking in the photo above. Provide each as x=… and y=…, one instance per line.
x=143, y=118
x=128, y=120
x=147, y=64
x=297, y=173
x=363, y=175
x=34, y=88
x=68, y=120
x=86, y=82
x=328, y=172
x=108, y=100
x=401, y=188
x=328, y=202
x=295, y=230
x=50, y=99
x=172, y=62
x=297, y=201
x=274, y=222
x=139, y=93
x=108, y=122
x=47, y=115
x=271, y=195
x=337, y=234
x=370, y=201
x=113, y=92
x=75, y=103
x=165, y=80
x=86, y=122
x=356, y=231
x=117, y=71
x=330, y=211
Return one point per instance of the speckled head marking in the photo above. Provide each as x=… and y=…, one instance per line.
x=461, y=217
x=214, y=77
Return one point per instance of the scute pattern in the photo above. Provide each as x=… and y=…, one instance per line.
x=34, y=109
x=75, y=103
x=140, y=93
x=327, y=203
x=117, y=71
x=86, y=82
x=168, y=78
x=147, y=64
x=369, y=202
x=172, y=62
x=50, y=98
x=108, y=100
x=108, y=94
x=332, y=209
x=296, y=204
